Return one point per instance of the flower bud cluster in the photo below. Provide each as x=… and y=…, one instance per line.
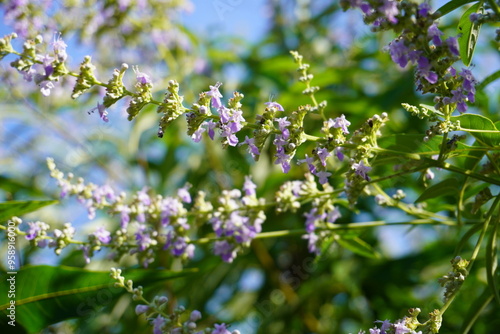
x=142, y=95
x=38, y=235
x=363, y=139
x=156, y=311
x=306, y=78
x=409, y=324
x=86, y=78
x=455, y=278
x=43, y=69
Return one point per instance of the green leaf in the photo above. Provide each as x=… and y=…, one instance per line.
x=489, y=79
x=446, y=187
x=451, y=6
x=477, y=306
x=358, y=246
x=491, y=262
x=469, y=33
x=474, y=157
x=46, y=295
x=465, y=238
x=477, y=125
x=19, y=208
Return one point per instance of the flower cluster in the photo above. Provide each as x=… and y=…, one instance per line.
x=421, y=43
x=143, y=210
x=364, y=140
x=156, y=312
x=237, y=220
x=42, y=68
x=408, y=325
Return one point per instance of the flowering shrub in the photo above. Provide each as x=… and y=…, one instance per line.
x=263, y=211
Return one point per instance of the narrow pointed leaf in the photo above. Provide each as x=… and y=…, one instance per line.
x=358, y=246
x=451, y=6
x=477, y=306
x=19, y=208
x=446, y=187
x=469, y=33
x=46, y=295
x=491, y=263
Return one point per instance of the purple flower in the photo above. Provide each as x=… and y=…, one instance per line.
x=366, y=8
x=35, y=230
x=140, y=309
x=220, y=329
x=340, y=122
x=312, y=243
x=196, y=136
x=323, y=154
x=386, y=325
x=424, y=69
x=434, y=33
x=424, y=9
x=452, y=43
x=29, y=74
x=399, y=52
x=309, y=161
x=249, y=187
x=103, y=113
x=169, y=208
x=474, y=17
x=390, y=10
x=225, y=250
x=195, y=315
x=143, y=238
x=459, y=99
x=124, y=211
x=210, y=128
x=323, y=176
x=230, y=123
x=284, y=160
x=59, y=47
x=361, y=169
x=143, y=197
x=400, y=327
x=179, y=247
x=158, y=324
x=276, y=105
x=282, y=124
x=141, y=77
x=225, y=115
x=226, y=132
x=216, y=95
x=311, y=218
x=339, y=154
x=469, y=82
x=183, y=194
x=45, y=87
x=333, y=215
x=103, y=235
x=252, y=149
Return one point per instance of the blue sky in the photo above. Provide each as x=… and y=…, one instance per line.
x=243, y=18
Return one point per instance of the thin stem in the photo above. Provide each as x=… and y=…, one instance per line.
x=476, y=249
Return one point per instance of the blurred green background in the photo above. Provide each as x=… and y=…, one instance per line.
x=277, y=286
